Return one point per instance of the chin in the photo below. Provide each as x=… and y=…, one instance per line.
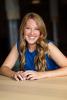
x=31, y=42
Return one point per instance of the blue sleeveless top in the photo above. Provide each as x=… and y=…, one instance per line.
x=29, y=63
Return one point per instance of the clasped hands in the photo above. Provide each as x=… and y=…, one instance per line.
x=28, y=75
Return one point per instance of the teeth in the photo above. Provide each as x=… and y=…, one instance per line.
x=31, y=37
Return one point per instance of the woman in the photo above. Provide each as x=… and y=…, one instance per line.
x=36, y=55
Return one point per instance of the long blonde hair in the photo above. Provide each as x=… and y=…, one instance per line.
x=42, y=48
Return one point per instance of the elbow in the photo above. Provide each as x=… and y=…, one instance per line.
x=63, y=63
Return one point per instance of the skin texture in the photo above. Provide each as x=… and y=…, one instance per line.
x=31, y=35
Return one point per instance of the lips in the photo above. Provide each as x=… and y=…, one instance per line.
x=31, y=37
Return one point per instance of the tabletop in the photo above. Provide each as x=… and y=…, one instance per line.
x=42, y=89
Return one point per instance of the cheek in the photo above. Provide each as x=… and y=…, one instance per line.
x=39, y=35
x=26, y=33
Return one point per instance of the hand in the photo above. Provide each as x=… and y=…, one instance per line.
x=33, y=75
x=18, y=75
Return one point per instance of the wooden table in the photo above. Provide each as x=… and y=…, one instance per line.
x=43, y=89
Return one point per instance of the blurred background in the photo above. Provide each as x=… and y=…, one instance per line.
x=53, y=12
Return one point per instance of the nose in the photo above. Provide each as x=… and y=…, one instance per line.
x=32, y=31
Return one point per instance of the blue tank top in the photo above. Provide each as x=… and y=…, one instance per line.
x=29, y=65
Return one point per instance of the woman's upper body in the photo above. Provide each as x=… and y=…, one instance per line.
x=29, y=62
x=34, y=52
x=56, y=56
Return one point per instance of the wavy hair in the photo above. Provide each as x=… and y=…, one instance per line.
x=41, y=47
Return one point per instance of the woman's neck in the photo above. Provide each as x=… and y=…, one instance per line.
x=32, y=47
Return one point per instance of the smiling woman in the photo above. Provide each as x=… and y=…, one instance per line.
x=31, y=31
x=38, y=57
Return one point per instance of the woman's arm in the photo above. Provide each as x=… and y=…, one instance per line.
x=6, y=68
x=57, y=55
x=60, y=60
x=33, y=75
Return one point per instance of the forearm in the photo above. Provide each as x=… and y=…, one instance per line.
x=7, y=71
x=56, y=73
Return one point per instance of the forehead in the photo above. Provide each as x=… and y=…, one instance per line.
x=31, y=22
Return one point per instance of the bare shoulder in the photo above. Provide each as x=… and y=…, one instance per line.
x=51, y=44
x=52, y=48
x=57, y=55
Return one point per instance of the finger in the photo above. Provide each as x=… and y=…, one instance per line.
x=33, y=78
x=20, y=77
x=27, y=73
x=28, y=77
x=16, y=78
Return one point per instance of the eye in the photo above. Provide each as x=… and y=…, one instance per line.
x=27, y=27
x=37, y=29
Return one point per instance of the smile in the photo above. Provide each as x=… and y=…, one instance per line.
x=31, y=37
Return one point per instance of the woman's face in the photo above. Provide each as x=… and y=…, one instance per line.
x=31, y=32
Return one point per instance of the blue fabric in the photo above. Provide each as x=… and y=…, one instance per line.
x=29, y=56
x=29, y=65
x=51, y=65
